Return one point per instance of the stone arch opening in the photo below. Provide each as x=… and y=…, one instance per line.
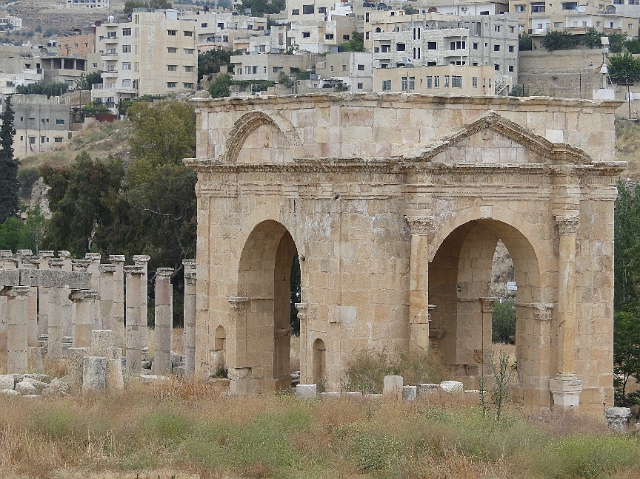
x=319, y=361
x=460, y=288
x=263, y=336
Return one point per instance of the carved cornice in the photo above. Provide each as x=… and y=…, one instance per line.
x=420, y=225
x=567, y=224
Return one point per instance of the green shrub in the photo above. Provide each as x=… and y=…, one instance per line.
x=27, y=178
x=503, y=322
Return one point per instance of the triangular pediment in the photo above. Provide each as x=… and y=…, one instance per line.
x=493, y=139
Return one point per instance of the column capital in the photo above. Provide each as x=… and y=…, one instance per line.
x=84, y=295
x=107, y=268
x=134, y=269
x=420, y=225
x=567, y=224
x=141, y=258
x=80, y=265
x=16, y=291
x=117, y=258
x=190, y=278
x=237, y=303
x=93, y=256
x=164, y=271
x=487, y=303
x=303, y=309
x=56, y=263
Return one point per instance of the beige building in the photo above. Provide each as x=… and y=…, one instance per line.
x=88, y=3
x=41, y=124
x=442, y=80
x=154, y=54
x=77, y=43
x=539, y=17
x=353, y=70
x=268, y=67
x=219, y=30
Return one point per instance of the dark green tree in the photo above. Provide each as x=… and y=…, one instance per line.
x=525, y=43
x=616, y=42
x=129, y=5
x=591, y=38
x=86, y=80
x=355, y=43
x=556, y=40
x=624, y=69
x=261, y=7
x=221, y=86
x=9, y=184
x=626, y=350
x=504, y=322
x=42, y=88
x=210, y=62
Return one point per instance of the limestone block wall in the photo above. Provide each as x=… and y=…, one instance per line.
x=394, y=204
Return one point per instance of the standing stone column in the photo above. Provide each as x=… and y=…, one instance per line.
x=566, y=387
x=30, y=262
x=58, y=297
x=135, y=321
x=118, y=299
x=106, y=320
x=306, y=366
x=17, y=346
x=85, y=302
x=143, y=261
x=44, y=304
x=189, y=322
x=94, y=269
x=7, y=259
x=486, y=334
x=65, y=256
x=163, y=322
x=419, y=284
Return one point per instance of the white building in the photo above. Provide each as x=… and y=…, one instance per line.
x=88, y=3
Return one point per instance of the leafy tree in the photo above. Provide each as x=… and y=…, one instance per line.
x=221, y=86
x=261, y=7
x=624, y=69
x=210, y=62
x=409, y=10
x=525, y=43
x=130, y=5
x=42, y=88
x=86, y=80
x=9, y=184
x=556, y=40
x=12, y=234
x=355, y=43
x=626, y=350
x=632, y=46
x=591, y=38
x=616, y=42
x=81, y=200
x=503, y=322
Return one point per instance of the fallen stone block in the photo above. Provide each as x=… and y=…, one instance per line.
x=7, y=381
x=424, y=389
x=452, y=386
x=393, y=386
x=306, y=391
x=9, y=392
x=618, y=418
x=26, y=388
x=409, y=393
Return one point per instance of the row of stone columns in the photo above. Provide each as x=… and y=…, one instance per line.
x=68, y=312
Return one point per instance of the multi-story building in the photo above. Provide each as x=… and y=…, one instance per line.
x=312, y=10
x=154, y=54
x=76, y=42
x=268, y=67
x=219, y=30
x=353, y=70
x=88, y=3
x=67, y=69
x=41, y=124
x=440, y=80
x=539, y=17
x=430, y=39
x=323, y=35
x=11, y=21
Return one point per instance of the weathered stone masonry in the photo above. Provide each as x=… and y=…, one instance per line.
x=394, y=204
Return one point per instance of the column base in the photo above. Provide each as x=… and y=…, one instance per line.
x=566, y=389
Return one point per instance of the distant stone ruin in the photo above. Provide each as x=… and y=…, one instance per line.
x=91, y=315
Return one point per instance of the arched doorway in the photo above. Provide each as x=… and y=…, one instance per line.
x=263, y=335
x=460, y=288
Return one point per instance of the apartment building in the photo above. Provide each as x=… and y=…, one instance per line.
x=219, y=30
x=321, y=36
x=432, y=39
x=268, y=67
x=464, y=7
x=11, y=22
x=77, y=43
x=439, y=80
x=539, y=17
x=154, y=54
x=67, y=69
x=88, y=3
x=41, y=124
x=354, y=70
x=313, y=10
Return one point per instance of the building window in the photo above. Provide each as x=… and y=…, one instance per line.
x=277, y=69
x=295, y=11
x=521, y=8
x=496, y=67
x=345, y=38
x=203, y=25
x=189, y=69
x=431, y=46
x=360, y=67
x=400, y=47
x=306, y=34
x=328, y=36
x=475, y=46
x=322, y=9
x=126, y=48
x=537, y=7
x=511, y=68
x=247, y=70
x=59, y=121
x=32, y=140
x=496, y=48
x=188, y=85
x=446, y=81
x=436, y=81
x=458, y=45
x=307, y=9
x=57, y=139
x=496, y=28
x=172, y=68
x=126, y=83
x=456, y=81
x=171, y=84
x=405, y=83
x=569, y=5
x=42, y=139
x=630, y=26
x=343, y=68
x=386, y=85
x=360, y=86
x=412, y=83
x=474, y=82
x=511, y=49
x=188, y=33
x=172, y=33
x=126, y=65
x=189, y=51
x=172, y=50
x=366, y=35
x=429, y=82
x=126, y=32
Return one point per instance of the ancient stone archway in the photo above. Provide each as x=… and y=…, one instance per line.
x=394, y=204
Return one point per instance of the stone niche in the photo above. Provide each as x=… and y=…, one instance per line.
x=394, y=205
